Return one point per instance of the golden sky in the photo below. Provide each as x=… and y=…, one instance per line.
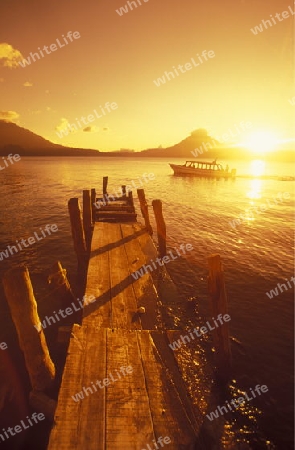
x=116, y=59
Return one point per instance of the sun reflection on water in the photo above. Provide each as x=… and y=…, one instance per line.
x=257, y=168
x=255, y=189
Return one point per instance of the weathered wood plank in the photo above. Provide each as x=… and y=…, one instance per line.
x=143, y=287
x=92, y=408
x=161, y=343
x=129, y=424
x=116, y=208
x=80, y=424
x=98, y=278
x=169, y=415
x=64, y=434
x=124, y=304
x=116, y=215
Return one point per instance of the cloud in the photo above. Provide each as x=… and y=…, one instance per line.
x=92, y=129
x=9, y=116
x=28, y=84
x=9, y=56
x=66, y=125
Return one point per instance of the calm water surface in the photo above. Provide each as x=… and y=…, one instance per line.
x=257, y=253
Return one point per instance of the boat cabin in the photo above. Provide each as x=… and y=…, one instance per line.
x=205, y=165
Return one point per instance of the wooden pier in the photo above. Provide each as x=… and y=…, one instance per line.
x=121, y=387
x=122, y=329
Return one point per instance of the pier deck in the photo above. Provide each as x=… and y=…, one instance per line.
x=130, y=410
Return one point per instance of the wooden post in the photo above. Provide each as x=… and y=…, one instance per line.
x=124, y=191
x=23, y=307
x=59, y=283
x=63, y=295
x=87, y=218
x=144, y=210
x=130, y=199
x=93, y=200
x=219, y=306
x=105, y=185
x=78, y=235
x=42, y=403
x=161, y=227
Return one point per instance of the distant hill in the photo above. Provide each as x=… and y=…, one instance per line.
x=197, y=139
x=26, y=143
x=199, y=145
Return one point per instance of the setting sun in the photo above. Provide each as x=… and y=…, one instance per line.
x=261, y=141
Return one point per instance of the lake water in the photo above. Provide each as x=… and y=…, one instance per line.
x=257, y=253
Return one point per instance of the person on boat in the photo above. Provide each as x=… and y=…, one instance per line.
x=226, y=168
x=214, y=162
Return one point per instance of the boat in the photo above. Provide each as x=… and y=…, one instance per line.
x=203, y=169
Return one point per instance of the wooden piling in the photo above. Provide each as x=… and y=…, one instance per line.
x=219, y=306
x=105, y=185
x=78, y=235
x=59, y=283
x=161, y=227
x=130, y=198
x=44, y=404
x=23, y=307
x=87, y=217
x=144, y=210
x=93, y=201
x=124, y=191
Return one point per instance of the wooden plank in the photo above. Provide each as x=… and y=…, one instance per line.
x=93, y=407
x=116, y=215
x=118, y=200
x=124, y=304
x=81, y=424
x=129, y=424
x=64, y=434
x=147, y=245
x=98, y=278
x=116, y=208
x=161, y=342
x=168, y=413
x=143, y=287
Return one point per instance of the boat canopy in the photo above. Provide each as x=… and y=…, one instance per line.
x=204, y=165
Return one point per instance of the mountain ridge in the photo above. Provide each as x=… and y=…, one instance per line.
x=199, y=144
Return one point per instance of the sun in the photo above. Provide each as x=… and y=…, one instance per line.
x=261, y=141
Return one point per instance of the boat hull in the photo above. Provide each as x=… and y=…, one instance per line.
x=208, y=173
